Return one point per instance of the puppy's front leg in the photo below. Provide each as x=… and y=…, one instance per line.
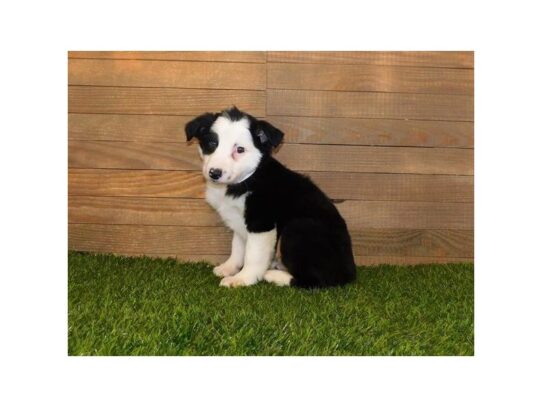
x=235, y=261
x=258, y=255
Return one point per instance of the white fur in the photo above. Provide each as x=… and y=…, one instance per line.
x=278, y=277
x=251, y=252
x=259, y=252
x=236, y=259
x=231, y=210
x=235, y=167
x=232, y=213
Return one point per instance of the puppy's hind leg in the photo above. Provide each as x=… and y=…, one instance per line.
x=317, y=255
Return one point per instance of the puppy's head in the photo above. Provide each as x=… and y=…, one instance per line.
x=232, y=144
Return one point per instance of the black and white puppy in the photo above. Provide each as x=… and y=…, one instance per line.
x=271, y=209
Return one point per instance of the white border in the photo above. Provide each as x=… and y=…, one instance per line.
x=35, y=369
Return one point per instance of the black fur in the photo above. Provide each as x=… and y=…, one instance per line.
x=234, y=114
x=314, y=241
x=199, y=126
x=264, y=135
x=208, y=142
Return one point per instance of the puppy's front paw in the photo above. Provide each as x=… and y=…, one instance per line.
x=225, y=269
x=236, y=281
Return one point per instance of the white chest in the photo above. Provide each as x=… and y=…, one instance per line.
x=231, y=210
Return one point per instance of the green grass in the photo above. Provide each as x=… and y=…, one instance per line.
x=143, y=306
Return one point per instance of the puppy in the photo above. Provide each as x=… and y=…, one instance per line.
x=270, y=208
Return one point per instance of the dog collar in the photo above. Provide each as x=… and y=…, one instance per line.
x=236, y=190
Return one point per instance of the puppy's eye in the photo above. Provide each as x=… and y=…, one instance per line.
x=212, y=144
x=240, y=150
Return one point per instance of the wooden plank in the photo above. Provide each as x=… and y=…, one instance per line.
x=412, y=160
x=141, y=211
x=407, y=215
x=189, y=240
x=172, y=74
x=113, y=127
x=369, y=105
x=127, y=155
x=371, y=78
x=190, y=184
x=226, y=56
x=299, y=130
x=90, y=99
x=395, y=187
x=404, y=260
x=148, y=239
x=375, y=132
x=196, y=212
x=450, y=59
x=185, y=184
x=178, y=156
x=419, y=243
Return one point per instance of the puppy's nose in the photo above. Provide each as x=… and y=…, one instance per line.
x=215, y=173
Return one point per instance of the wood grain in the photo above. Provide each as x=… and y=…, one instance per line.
x=375, y=132
x=136, y=155
x=405, y=242
x=369, y=105
x=148, y=239
x=141, y=211
x=226, y=56
x=371, y=78
x=450, y=59
x=407, y=215
x=167, y=74
x=185, y=184
x=388, y=135
x=300, y=130
x=359, y=186
x=178, y=156
x=405, y=260
x=196, y=212
x=395, y=187
x=163, y=101
x=113, y=127
x=189, y=240
x=410, y=160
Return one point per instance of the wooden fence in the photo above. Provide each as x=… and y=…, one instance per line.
x=389, y=135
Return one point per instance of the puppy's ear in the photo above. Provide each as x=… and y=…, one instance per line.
x=199, y=126
x=268, y=134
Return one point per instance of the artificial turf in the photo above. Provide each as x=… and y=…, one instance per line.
x=143, y=306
